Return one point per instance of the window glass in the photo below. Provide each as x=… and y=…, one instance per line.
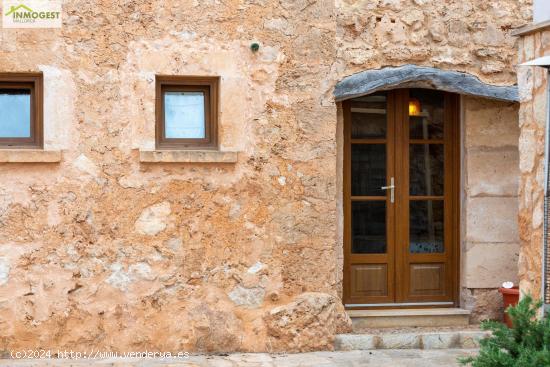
x=15, y=113
x=426, y=226
x=368, y=116
x=368, y=169
x=184, y=115
x=426, y=169
x=368, y=227
x=426, y=114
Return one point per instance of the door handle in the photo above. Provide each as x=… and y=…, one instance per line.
x=391, y=187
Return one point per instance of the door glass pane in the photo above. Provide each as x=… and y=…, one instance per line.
x=368, y=116
x=426, y=169
x=184, y=115
x=426, y=226
x=368, y=169
x=426, y=114
x=15, y=119
x=368, y=227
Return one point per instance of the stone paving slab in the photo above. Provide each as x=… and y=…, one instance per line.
x=412, y=340
x=378, y=358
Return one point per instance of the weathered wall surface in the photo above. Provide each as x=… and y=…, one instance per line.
x=104, y=252
x=532, y=82
x=490, y=241
x=473, y=36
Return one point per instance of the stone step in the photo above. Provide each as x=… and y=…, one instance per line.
x=419, y=317
x=466, y=339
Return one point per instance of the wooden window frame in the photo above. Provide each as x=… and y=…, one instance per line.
x=206, y=84
x=34, y=82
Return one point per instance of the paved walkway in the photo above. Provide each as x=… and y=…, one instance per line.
x=378, y=358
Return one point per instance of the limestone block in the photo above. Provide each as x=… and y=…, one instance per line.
x=528, y=150
x=539, y=105
x=488, y=265
x=492, y=219
x=490, y=123
x=485, y=304
x=492, y=172
x=525, y=84
x=355, y=342
x=309, y=322
x=440, y=340
x=215, y=328
x=400, y=341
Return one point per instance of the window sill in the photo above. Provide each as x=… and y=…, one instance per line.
x=187, y=156
x=29, y=156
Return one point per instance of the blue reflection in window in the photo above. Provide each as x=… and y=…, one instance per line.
x=184, y=115
x=15, y=113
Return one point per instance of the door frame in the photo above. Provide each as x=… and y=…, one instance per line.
x=453, y=113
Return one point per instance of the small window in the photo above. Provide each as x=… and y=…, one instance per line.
x=187, y=112
x=20, y=110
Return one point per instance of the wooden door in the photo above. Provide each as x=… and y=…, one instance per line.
x=400, y=199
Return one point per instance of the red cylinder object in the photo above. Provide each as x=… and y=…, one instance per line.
x=510, y=297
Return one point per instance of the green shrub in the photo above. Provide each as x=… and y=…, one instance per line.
x=527, y=344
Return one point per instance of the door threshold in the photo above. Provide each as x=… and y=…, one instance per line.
x=409, y=304
x=363, y=319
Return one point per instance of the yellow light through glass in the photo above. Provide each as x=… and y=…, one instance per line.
x=414, y=107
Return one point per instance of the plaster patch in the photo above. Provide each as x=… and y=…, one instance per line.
x=84, y=164
x=153, y=219
x=119, y=278
x=59, y=97
x=247, y=297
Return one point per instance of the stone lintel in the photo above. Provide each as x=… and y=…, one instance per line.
x=29, y=156
x=412, y=76
x=187, y=156
x=531, y=28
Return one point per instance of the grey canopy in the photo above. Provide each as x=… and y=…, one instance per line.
x=412, y=76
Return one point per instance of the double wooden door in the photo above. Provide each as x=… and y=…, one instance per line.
x=401, y=164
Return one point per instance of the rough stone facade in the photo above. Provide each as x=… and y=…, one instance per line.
x=533, y=84
x=472, y=37
x=102, y=251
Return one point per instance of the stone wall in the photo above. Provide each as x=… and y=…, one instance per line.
x=532, y=82
x=475, y=37
x=490, y=242
x=102, y=251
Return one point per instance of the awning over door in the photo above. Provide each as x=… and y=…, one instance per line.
x=412, y=76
